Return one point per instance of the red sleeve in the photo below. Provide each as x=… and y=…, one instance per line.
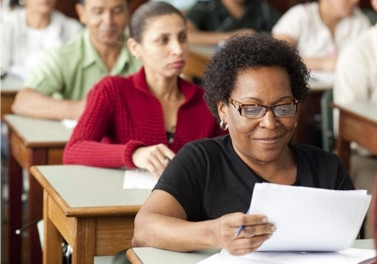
x=86, y=145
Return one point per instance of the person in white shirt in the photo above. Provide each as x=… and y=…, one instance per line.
x=356, y=81
x=27, y=32
x=320, y=30
x=356, y=71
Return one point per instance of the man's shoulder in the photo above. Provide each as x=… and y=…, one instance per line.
x=74, y=47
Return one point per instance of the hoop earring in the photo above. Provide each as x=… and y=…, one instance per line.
x=223, y=125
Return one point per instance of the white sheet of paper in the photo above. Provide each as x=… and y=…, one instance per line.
x=349, y=256
x=138, y=179
x=309, y=219
x=69, y=123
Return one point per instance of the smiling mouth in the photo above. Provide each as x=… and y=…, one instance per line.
x=269, y=139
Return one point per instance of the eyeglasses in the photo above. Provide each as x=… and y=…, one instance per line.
x=258, y=111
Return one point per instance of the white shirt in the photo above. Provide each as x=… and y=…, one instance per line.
x=356, y=72
x=22, y=47
x=304, y=24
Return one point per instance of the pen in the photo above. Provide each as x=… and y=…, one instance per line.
x=240, y=228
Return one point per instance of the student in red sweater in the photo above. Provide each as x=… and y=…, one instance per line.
x=147, y=117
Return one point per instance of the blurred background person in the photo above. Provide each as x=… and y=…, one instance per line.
x=321, y=29
x=210, y=22
x=58, y=87
x=356, y=81
x=26, y=33
x=146, y=117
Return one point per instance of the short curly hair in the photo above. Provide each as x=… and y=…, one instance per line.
x=246, y=51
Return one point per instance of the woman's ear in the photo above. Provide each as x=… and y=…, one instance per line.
x=134, y=47
x=80, y=10
x=221, y=109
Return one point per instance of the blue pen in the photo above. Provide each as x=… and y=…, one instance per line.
x=240, y=228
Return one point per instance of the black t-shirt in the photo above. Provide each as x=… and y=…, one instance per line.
x=213, y=16
x=209, y=179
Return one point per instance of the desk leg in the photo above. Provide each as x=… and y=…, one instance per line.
x=14, y=209
x=35, y=200
x=83, y=248
x=52, y=241
x=342, y=146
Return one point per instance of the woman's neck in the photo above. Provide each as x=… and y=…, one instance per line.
x=36, y=20
x=164, y=89
x=167, y=92
x=281, y=171
x=328, y=17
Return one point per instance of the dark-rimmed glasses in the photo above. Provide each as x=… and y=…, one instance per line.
x=258, y=111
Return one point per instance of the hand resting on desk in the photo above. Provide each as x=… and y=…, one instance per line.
x=153, y=158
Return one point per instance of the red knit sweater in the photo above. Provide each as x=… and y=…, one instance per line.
x=124, y=112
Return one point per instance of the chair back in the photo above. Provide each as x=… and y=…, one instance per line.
x=327, y=126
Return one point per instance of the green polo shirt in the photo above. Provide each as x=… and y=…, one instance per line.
x=70, y=71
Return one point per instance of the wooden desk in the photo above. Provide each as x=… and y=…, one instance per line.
x=309, y=115
x=89, y=208
x=31, y=142
x=146, y=255
x=9, y=88
x=197, y=61
x=357, y=123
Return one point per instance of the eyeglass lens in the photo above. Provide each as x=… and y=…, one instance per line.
x=256, y=111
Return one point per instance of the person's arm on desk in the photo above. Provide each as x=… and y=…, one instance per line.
x=168, y=228
x=31, y=103
x=318, y=64
x=321, y=64
x=199, y=37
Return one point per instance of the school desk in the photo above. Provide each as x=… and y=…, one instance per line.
x=31, y=142
x=89, y=208
x=147, y=255
x=9, y=88
x=357, y=123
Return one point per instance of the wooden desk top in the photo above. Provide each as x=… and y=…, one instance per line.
x=147, y=255
x=39, y=132
x=88, y=191
x=366, y=110
x=205, y=50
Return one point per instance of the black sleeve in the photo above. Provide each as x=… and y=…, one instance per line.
x=343, y=181
x=184, y=178
x=271, y=16
x=198, y=14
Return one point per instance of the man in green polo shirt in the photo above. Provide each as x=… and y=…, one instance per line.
x=58, y=86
